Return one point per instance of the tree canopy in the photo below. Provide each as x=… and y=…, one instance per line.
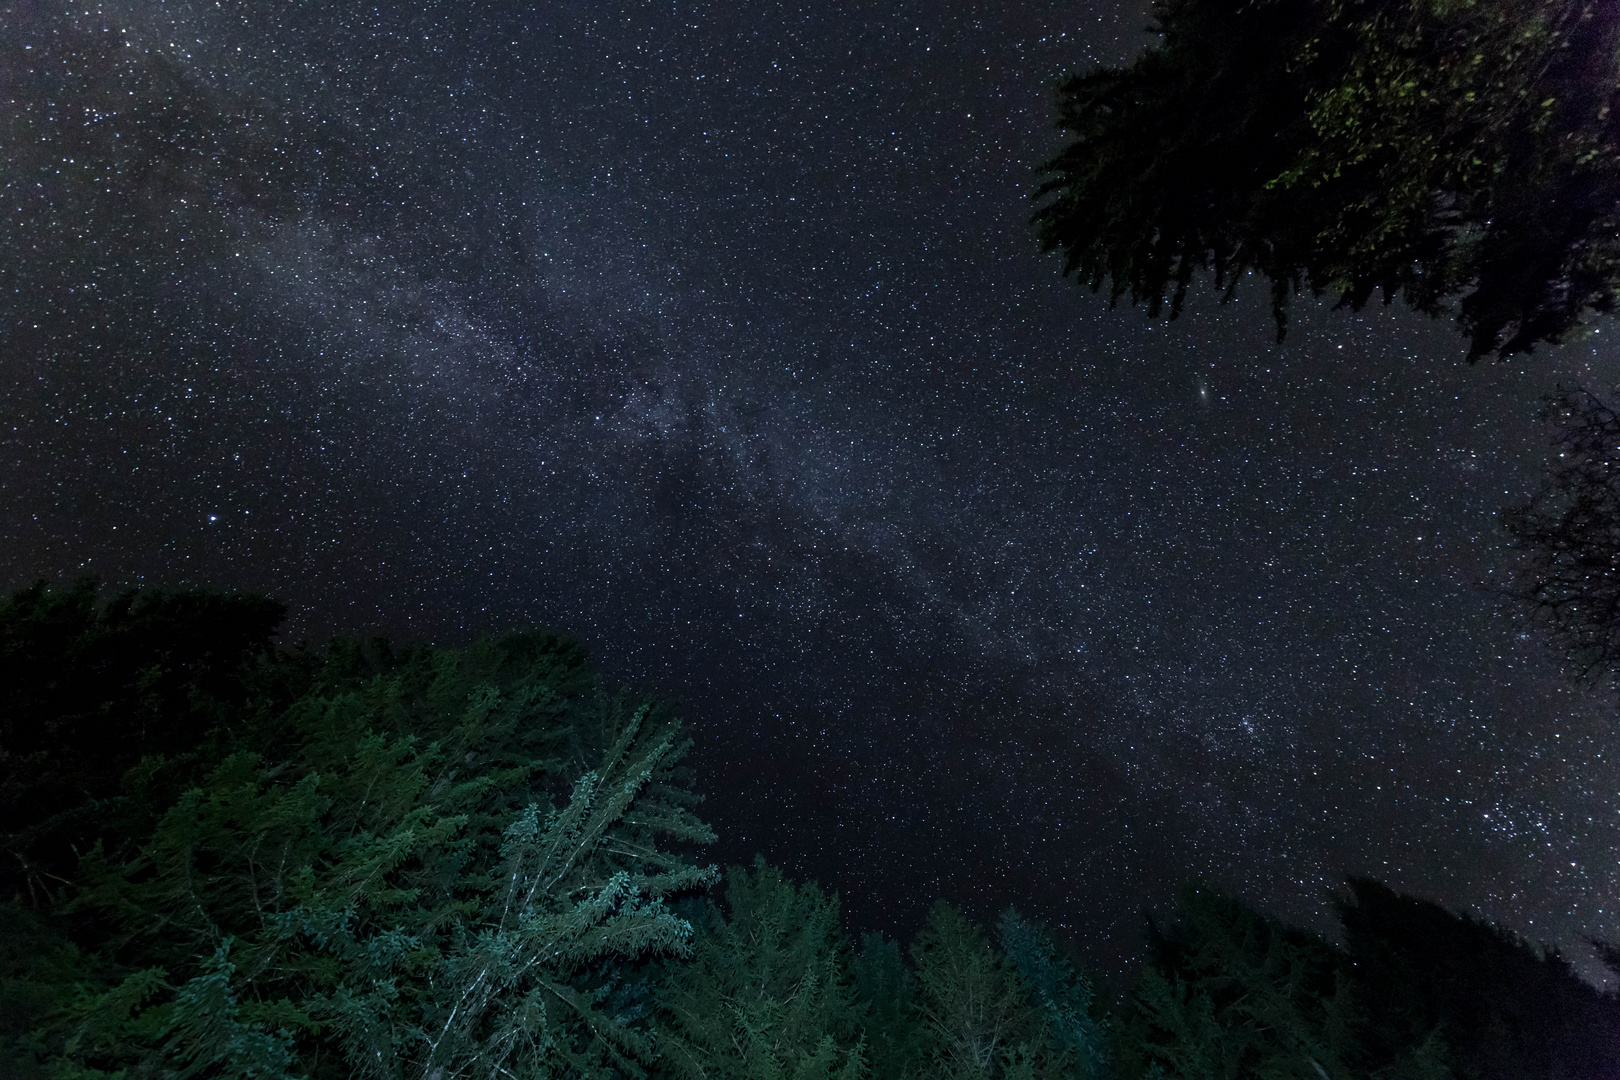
x=1462, y=154
x=94, y=687
x=427, y=862
x=385, y=862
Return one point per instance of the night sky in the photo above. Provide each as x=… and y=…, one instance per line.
x=715, y=334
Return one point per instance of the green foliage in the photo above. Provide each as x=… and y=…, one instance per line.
x=1462, y=151
x=42, y=976
x=1231, y=993
x=977, y=1016
x=1076, y=1025
x=766, y=995
x=887, y=991
x=204, y=1030
x=383, y=863
x=433, y=863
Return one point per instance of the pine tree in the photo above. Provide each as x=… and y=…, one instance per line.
x=766, y=994
x=1231, y=993
x=1460, y=153
x=1076, y=1026
x=1506, y=1008
x=976, y=1012
x=1568, y=535
x=92, y=686
x=887, y=990
x=434, y=864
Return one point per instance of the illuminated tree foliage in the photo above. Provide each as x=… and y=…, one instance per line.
x=1463, y=154
x=1076, y=1027
x=978, y=1017
x=887, y=989
x=431, y=863
x=766, y=995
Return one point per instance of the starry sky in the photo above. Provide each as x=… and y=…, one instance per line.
x=715, y=334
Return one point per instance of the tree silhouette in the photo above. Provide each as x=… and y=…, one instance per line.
x=93, y=687
x=1462, y=154
x=1568, y=535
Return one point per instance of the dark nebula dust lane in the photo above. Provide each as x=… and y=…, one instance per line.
x=715, y=334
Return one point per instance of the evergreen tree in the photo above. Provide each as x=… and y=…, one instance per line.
x=94, y=687
x=1459, y=152
x=887, y=992
x=432, y=864
x=766, y=995
x=1506, y=1008
x=1076, y=1026
x=1231, y=993
x=383, y=863
x=977, y=1017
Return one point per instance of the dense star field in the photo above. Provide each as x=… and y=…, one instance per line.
x=715, y=334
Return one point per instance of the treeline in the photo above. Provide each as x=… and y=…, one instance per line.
x=224, y=859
